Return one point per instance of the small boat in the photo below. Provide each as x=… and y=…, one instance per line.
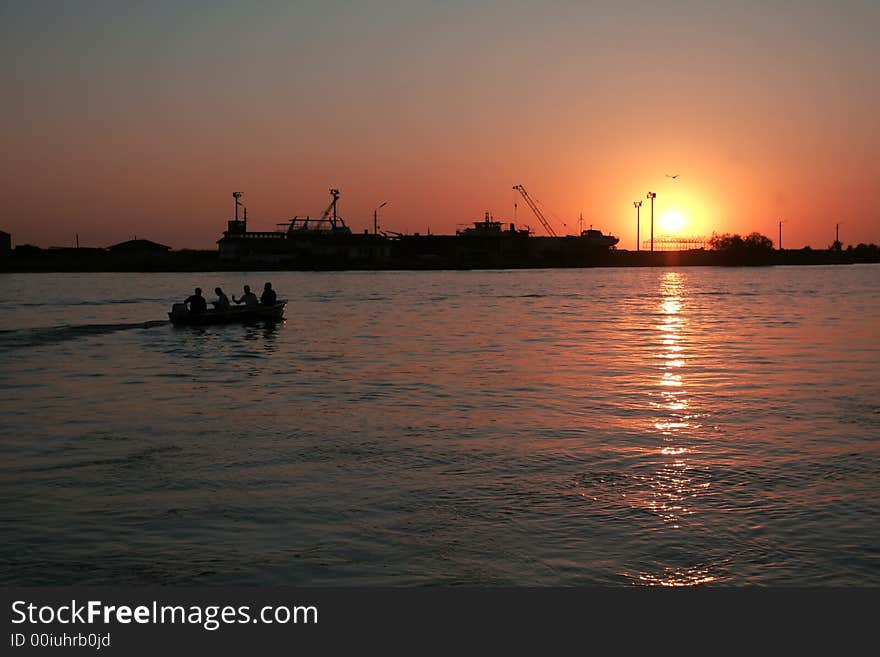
x=180, y=316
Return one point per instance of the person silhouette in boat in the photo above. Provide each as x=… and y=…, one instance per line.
x=249, y=299
x=222, y=302
x=196, y=302
x=268, y=297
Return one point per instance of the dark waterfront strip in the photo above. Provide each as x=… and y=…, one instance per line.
x=97, y=260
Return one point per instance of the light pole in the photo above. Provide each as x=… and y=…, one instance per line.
x=637, y=205
x=652, y=196
x=376, y=218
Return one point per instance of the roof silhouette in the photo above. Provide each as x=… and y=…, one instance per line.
x=139, y=245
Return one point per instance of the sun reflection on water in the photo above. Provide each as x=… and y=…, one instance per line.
x=678, y=577
x=675, y=484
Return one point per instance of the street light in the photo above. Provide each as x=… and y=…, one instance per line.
x=637, y=205
x=652, y=196
x=375, y=218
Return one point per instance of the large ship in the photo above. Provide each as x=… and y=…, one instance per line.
x=326, y=242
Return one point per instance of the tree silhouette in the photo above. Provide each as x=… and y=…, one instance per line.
x=735, y=249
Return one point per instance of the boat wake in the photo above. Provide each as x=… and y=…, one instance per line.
x=87, y=302
x=37, y=337
x=129, y=460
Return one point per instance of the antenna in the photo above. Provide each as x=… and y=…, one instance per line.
x=376, y=217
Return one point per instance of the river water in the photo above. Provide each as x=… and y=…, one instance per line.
x=559, y=427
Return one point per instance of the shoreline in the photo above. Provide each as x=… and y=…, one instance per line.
x=93, y=260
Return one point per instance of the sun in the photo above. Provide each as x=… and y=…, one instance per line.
x=672, y=221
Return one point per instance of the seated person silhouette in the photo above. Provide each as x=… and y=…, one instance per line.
x=268, y=297
x=222, y=302
x=196, y=302
x=249, y=299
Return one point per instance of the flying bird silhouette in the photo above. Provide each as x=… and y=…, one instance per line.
x=673, y=177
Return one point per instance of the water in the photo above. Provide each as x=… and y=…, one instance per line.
x=561, y=427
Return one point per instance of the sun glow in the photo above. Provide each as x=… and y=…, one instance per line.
x=672, y=221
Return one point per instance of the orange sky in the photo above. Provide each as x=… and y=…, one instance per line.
x=141, y=121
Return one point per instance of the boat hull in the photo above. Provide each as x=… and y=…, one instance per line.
x=179, y=316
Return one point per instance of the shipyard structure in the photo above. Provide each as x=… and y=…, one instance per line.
x=326, y=242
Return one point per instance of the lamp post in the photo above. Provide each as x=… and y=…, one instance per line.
x=376, y=218
x=637, y=205
x=652, y=196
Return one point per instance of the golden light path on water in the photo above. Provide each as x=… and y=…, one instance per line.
x=672, y=490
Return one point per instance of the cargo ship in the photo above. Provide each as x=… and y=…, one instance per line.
x=326, y=242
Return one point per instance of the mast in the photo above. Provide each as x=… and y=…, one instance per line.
x=237, y=196
x=335, y=194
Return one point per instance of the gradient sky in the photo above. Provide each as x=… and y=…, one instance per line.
x=140, y=118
